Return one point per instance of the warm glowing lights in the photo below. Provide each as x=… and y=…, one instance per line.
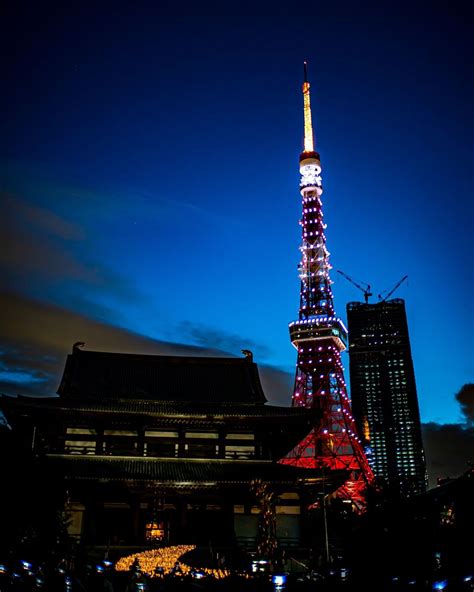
x=308, y=127
x=366, y=429
x=310, y=175
x=154, y=531
x=164, y=561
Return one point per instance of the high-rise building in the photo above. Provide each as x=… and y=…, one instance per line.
x=319, y=337
x=384, y=398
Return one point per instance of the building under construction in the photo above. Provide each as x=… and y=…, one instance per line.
x=384, y=397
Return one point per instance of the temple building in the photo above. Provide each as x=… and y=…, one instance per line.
x=166, y=448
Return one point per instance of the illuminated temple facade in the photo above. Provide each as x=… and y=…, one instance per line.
x=166, y=448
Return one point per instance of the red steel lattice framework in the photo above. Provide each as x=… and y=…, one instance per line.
x=319, y=337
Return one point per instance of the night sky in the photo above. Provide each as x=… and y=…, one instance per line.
x=149, y=185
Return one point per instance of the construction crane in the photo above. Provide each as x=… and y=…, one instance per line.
x=392, y=290
x=366, y=290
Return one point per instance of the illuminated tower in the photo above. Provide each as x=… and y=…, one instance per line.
x=319, y=337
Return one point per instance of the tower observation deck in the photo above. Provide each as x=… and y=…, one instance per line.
x=320, y=336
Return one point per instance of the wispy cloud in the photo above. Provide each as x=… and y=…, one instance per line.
x=107, y=202
x=30, y=216
x=209, y=337
x=36, y=337
x=35, y=240
x=449, y=449
x=40, y=249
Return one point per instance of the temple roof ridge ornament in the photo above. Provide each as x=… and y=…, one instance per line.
x=248, y=354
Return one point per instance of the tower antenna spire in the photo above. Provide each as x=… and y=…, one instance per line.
x=308, y=124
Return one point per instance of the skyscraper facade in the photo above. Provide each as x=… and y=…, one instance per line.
x=384, y=397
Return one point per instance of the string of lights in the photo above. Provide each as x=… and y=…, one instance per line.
x=319, y=337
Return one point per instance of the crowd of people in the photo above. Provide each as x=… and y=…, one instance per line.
x=23, y=576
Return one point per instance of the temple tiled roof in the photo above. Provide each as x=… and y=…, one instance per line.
x=171, y=409
x=186, y=472
x=107, y=375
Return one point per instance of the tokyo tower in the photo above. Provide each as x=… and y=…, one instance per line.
x=320, y=336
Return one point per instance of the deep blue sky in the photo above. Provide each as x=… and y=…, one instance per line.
x=150, y=179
